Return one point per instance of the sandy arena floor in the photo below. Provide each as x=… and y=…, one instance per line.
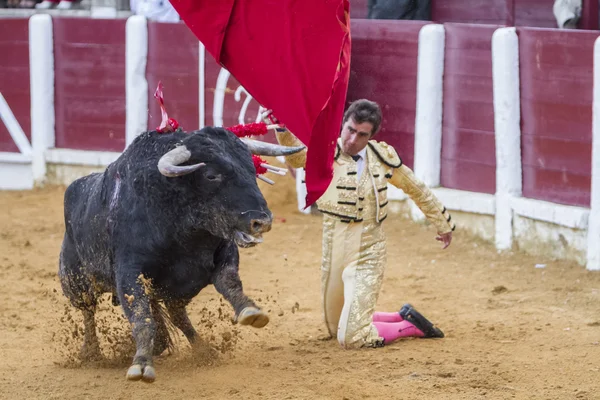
x=513, y=331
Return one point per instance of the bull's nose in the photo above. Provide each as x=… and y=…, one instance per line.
x=259, y=221
x=260, y=225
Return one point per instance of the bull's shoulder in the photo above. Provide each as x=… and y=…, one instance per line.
x=82, y=190
x=83, y=184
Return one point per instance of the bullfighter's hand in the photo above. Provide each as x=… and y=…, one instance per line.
x=268, y=117
x=445, y=238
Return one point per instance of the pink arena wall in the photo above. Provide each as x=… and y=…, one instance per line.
x=14, y=77
x=383, y=68
x=89, y=88
x=556, y=114
x=535, y=13
x=468, y=142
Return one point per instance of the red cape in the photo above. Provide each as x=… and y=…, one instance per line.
x=293, y=57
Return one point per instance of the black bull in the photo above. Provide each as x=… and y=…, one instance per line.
x=159, y=224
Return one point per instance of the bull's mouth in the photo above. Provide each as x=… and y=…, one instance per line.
x=243, y=239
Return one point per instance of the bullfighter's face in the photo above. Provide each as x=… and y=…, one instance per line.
x=355, y=136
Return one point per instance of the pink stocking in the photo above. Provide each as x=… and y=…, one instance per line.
x=387, y=317
x=391, y=331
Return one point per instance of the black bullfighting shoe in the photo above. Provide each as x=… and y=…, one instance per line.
x=405, y=309
x=420, y=322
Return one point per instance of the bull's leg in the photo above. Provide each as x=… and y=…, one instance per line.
x=180, y=319
x=162, y=341
x=136, y=305
x=90, y=350
x=77, y=287
x=226, y=280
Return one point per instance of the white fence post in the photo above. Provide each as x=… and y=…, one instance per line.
x=41, y=80
x=136, y=85
x=202, y=85
x=507, y=120
x=428, y=121
x=593, y=242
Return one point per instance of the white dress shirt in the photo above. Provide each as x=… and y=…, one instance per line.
x=360, y=164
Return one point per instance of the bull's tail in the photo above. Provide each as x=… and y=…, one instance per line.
x=165, y=329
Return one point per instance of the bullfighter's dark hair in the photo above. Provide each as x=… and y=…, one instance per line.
x=364, y=110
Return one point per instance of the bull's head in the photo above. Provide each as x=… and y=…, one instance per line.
x=219, y=166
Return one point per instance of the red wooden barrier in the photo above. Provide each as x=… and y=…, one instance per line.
x=173, y=59
x=231, y=107
x=537, y=13
x=89, y=62
x=468, y=144
x=589, y=15
x=556, y=114
x=14, y=77
x=497, y=12
x=358, y=9
x=384, y=69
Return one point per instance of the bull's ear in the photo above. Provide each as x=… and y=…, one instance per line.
x=168, y=165
x=268, y=149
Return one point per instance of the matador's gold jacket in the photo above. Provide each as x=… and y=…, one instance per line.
x=343, y=199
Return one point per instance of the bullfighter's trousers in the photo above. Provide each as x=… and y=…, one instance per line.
x=354, y=256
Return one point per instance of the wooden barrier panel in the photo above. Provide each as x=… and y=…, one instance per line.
x=468, y=144
x=226, y=101
x=472, y=11
x=173, y=60
x=89, y=62
x=14, y=77
x=359, y=9
x=556, y=114
x=230, y=109
x=536, y=13
x=384, y=69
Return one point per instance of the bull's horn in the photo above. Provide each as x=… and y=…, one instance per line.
x=168, y=165
x=268, y=149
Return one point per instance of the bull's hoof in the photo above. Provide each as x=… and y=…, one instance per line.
x=253, y=316
x=137, y=372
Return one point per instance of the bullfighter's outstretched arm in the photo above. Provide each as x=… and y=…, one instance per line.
x=286, y=138
x=404, y=178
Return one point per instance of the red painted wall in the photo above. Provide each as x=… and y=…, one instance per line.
x=232, y=108
x=589, y=15
x=358, y=9
x=556, y=114
x=536, y=13
x=14, y=77
x=89, y=63
x=468, y=144
x=471, y=11
x=384, y=69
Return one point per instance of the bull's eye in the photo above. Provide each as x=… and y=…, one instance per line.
x=212, y=177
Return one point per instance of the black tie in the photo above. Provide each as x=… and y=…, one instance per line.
x=355, y=158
